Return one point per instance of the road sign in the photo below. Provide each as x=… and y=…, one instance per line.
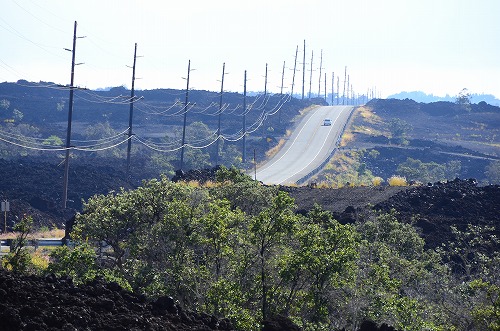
x=5, y=205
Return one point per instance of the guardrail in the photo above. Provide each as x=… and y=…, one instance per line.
x=36, y=242
x=324, y=163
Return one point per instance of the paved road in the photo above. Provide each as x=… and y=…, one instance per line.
x=309, y=145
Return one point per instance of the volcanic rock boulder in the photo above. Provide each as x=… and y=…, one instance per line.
x=51, y=303
x=435, y=207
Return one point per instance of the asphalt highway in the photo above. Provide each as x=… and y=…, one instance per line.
x=308, y=146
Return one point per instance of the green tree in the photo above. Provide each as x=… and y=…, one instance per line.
x=399, y=130
x=19, y=259
x=53, y=141
x=230, y=155
x=127, y=220
x=101, y=136
x=472, y=294
x=470, y=253
x=60, y=105
x=486, y=312
x=431, y=172
x=218, y=224
x=4, y=103
x=493, y=172
x=269, y=231
x=197, y=134
x=79, y=263
x=221, y=233
x=324, y=260
x=464, y=100
x=162, y=163
x=20, y=134
x=242, y=191
x=17, y=115
x=398, y=281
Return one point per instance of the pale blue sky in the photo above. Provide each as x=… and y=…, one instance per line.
x=435, y=46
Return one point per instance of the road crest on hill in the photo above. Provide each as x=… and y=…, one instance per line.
x=308, y=146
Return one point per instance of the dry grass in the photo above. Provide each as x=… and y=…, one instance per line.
x=347, y=137
x=377, y=181
x=54, y=233
x=273, y=151
x=368, y=115
x=308, y=109
x=323, y=184
x=397, y=181
x=210, y=184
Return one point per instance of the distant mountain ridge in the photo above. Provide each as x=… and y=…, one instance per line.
x=420, y=96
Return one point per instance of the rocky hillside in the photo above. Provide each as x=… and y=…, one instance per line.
x=50, y=303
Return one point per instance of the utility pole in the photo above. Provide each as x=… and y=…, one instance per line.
x=254, y=166
x=311, y=75
x=325, y=87
x=333, y=83
x=348, y=89
x=264, y=103
x=338, y=89
x=70, y=116
x=265, y=85
x=281, y=91
x=304, y=70
x=319, y=80
x=294, y=69
x=185, y=115
x=345, y=78
x=220, y=112
x=131, y=113
x=244, y=154
x=282, y=78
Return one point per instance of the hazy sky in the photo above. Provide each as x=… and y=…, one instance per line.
x=435, y=46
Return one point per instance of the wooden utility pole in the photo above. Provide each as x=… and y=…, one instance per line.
x=220, y=112
x=244, y=154
x=311, y=75
x=348, y=89
x=345, y=78
x=294, y=69
x=131, y=113
x=325, y=87
x=265, y=85
x=304, y=70
x=319, y=80
x=70, y=116
x=353, y=96
x=333, y=83
x=338, y=89
x=282, y=78
x=185, y=116
x=281, y=91
x=254, y=166
x=264, y=103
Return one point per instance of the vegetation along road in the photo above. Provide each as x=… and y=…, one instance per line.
x=307, y=148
